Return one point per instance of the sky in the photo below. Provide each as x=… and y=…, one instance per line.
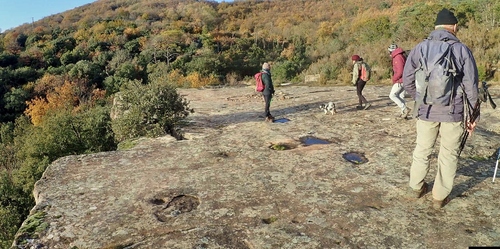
x=14, y=13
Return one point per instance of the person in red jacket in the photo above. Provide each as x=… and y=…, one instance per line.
x=397, y=91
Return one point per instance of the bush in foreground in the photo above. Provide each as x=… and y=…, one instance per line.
x=150, y=110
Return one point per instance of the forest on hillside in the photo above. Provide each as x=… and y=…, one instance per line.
x=59, y=75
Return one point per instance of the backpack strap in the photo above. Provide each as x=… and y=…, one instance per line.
x=467, y=105
x=453, y=71
x=419, y=100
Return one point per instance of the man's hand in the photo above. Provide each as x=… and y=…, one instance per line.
x=471, y=126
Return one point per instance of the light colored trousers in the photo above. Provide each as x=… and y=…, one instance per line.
x=450, y=136
x=397, y=95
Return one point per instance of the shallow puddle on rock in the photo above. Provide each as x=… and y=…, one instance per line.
x=281, y=120
x=310, y=140
x=355, y=157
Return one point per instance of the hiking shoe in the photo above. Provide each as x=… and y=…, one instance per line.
x=437, y=204
x=358, y=107
x=422, y=191
x=367, y=106
x=405, y=112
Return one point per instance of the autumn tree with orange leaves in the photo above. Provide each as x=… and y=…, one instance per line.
x=60, y=95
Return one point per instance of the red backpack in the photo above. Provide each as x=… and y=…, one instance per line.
x=365, y=71
x=259, y=86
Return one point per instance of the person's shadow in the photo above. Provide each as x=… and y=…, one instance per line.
x=477, y=171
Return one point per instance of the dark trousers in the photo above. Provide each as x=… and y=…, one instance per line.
x=360, y=84
x=267, y=100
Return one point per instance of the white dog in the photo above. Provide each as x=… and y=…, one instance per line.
x=328, y=107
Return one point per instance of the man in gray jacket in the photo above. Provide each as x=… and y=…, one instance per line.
x=446, y=120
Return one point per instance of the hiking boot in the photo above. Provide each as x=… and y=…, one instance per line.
x=359, y=107
x=269, y=118
x=367, y=105
x=422, y=191
x=437, y=204
x=405, y=112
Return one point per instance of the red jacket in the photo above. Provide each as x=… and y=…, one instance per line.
x=398, y=64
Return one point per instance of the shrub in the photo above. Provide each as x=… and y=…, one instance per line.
x=284, y=71
x=197, y=80
x=371, y=29
x=151, y=110
x=9, y=221
x=232, y=79
x=481, y=70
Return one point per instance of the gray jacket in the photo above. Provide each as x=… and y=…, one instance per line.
x=467, y=76
x=268, y=82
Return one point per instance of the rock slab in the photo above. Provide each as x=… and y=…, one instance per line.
x=239, y=182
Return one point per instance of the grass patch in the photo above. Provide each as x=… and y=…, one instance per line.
x=270, y=220
x=479, y=158
x=117, y=246
x=34, y=224
x=128, y=144
x=281, y=146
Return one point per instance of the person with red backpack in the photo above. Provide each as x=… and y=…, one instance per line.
x=268, y=91
x=397, y=91
x=360, y=75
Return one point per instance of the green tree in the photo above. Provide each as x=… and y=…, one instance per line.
x=23, y=75
x=72, y=57
x=244, y=57
x=15, y=100
x=92, y=129
x=6, y=132
x=88, y=71
x=371, y=30
x=152, y=110
x=112, y=84
x=206, y=62
x=9, y=222
x=414, y=23
x=61, y=133
x=7, y=59
x=283, y=71
x=13, y=202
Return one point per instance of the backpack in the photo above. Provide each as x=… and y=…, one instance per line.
x=365, y=71
x=259, y=86
x=435, y=78
x=405, y=54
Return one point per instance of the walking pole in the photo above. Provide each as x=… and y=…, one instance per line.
x=496, y=166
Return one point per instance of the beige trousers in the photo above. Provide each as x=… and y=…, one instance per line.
x=427, y=133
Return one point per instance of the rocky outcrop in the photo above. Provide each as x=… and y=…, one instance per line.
x=240, y=182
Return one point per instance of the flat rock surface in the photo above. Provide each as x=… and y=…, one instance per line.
x=237, y=181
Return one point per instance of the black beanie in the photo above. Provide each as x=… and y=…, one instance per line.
x=445, y=17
